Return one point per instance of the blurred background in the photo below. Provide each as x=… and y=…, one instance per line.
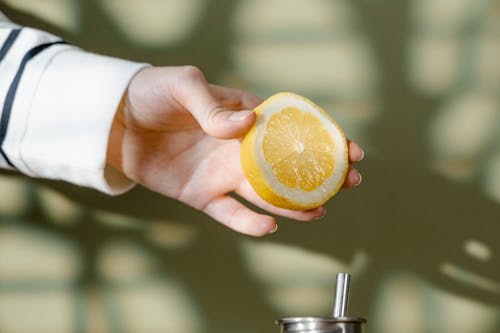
x=416, y=82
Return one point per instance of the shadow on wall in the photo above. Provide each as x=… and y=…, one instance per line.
x=416, y=82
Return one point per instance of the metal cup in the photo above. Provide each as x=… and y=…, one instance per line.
x=321, y=325
x=339, y=323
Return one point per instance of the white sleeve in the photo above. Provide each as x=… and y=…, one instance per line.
x=57, y=105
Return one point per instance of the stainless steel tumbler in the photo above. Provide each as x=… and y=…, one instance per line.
x=338, y=323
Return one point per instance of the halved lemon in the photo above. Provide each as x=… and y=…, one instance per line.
x=295, y=156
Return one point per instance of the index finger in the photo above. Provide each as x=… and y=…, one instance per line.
x=234, y=98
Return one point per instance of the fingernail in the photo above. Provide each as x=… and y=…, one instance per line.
x=362, y=155
x=321, y=216
x=240, y=115
x=274, y=230
x=360, y=179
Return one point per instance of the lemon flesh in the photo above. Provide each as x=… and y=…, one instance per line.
x=295, y=155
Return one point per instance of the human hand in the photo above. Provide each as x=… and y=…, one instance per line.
x=178, y=135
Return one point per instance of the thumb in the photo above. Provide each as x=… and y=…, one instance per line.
x=194, y=94
x=225, y=124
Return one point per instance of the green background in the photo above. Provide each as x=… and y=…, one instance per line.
x=417, y=83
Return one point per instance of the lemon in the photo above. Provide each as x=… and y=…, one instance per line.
x=294, y=156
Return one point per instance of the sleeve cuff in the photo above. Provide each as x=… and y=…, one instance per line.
x=70, y=119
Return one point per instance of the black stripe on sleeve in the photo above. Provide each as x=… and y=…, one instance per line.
x=11, y=93
x=9, y=42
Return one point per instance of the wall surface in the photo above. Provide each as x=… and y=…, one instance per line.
x=416, y=82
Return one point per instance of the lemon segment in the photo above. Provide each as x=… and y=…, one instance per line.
x=295, y=155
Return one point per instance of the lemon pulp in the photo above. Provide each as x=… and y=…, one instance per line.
x=294, y=156
x=299, y=149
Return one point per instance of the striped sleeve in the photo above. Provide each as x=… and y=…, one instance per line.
x=57, y=105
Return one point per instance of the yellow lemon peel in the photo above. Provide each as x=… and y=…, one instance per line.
x=295, y=156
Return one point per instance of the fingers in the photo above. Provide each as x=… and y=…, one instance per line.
x=356, y=154
x=236, y=216
x=193, y=92
x=234, y=98
x=247, y=192
x=352, y=179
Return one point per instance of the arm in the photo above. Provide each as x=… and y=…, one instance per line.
x=106, y=123
x=57, y=105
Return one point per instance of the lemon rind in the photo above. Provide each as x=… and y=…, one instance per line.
x=256, y=174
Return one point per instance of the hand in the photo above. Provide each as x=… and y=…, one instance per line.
x=178, y=135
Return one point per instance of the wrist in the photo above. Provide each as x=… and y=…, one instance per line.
x=115, y=149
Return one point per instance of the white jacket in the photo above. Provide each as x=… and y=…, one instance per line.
x=57, y=104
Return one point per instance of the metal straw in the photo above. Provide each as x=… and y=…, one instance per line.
x=341, y=295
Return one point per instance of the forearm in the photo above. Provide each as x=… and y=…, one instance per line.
x=57, y=106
